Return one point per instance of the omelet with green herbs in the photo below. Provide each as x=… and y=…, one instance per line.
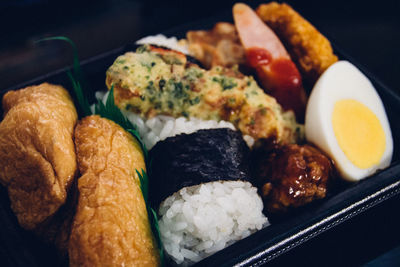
x=154, y=81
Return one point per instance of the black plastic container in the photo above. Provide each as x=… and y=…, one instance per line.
x=20, y=248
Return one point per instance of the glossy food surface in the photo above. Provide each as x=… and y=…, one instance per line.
x=345, y=99
x=111, y=226
x=157, y=81
x=201, y=157
x=37, y=152
x=290, y=176
x=276, y=72
x=311, y=51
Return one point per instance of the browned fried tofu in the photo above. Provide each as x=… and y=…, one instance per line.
x=310, y=50
x=37, y=153
x=111, y=226
x=56, y=230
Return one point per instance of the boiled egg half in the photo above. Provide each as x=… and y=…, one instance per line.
x=346, y=119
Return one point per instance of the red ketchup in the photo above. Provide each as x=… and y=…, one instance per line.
x=281, y=78
x=257, y=57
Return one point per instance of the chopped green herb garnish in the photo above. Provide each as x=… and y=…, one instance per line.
x=263, y=111
x=192, y=74
x=151, y=89
x=177, y=92
x=146, y=65
x=161, y=84
x=225, y=82
x=194, y=101
x=157, y=105
x=228, y=84
x=142, y=49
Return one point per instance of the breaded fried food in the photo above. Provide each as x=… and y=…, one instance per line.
x=155, y=81
x=37, y=153
x=111, y=226
x=310, y=50
x=218, y=47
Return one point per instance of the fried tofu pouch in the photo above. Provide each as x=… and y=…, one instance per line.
x=111, y=226
x=37, y=153
x=309, y=49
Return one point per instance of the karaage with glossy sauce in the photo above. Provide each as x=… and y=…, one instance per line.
x=290, y=175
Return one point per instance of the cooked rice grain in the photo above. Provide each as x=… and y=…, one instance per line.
x=200, y=220
x=161, y=127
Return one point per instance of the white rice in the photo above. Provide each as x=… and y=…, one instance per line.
x=200, y=220
x=162, y=40
x=161, y=127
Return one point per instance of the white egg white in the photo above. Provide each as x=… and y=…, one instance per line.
x=340, y=81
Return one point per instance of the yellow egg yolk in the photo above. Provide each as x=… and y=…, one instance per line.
x=359, y=133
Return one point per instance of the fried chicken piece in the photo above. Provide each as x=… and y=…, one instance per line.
x=111, y=226
x=310, y=50
x=218, y=47
x=290, y=175
x=37, y=153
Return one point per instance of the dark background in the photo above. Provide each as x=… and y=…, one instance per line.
x=366, y=30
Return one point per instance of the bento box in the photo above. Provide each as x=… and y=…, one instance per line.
x=344, y=202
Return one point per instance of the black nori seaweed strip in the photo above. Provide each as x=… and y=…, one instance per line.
x=193, y=159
